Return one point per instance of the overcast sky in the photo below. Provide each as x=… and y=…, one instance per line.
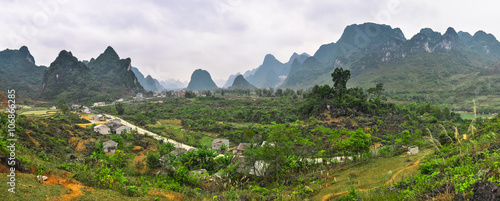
x=172, y=38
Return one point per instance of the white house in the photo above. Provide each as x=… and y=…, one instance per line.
x=102, y=129
x=122, y=129
x=86, y=110
x=99, y=104
x=139, y=96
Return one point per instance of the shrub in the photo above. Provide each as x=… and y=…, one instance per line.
x=152, y=160
x=427, y=168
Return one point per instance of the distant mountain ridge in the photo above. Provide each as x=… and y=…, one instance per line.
x=171, y=84
x=271, y=71
x=149, y=83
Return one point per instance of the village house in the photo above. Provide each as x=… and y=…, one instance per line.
x=99, y=104
x=114, y=121
x=99, y=117
x=139, y=96
x=102, y=129
x=122, y=129
x=53, y=108
x=217, y=143
x=110, y=146
x=180, y=94
x=87, y=110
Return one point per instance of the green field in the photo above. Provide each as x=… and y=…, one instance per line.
x=471, y=115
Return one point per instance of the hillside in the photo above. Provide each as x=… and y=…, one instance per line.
x=18, y=71
x=201, y=80
x=241, y=83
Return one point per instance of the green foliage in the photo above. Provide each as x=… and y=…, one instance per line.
x=120, y=109
x=340, y=78
x=134, y=191
x=152, y=160
x=352, y=195
x=427, y=168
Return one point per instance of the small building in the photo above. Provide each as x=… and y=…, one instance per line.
x=102, y=129
x=53, y=108
x=119, y=100
x=139, y=96
x=217, y=143
x=180, y=94
x=412, y=150
x=87, y=110
x=99, y=104
x=110, y=146
x=114, y=121
x=99, y=117
x=75, y=106
x=122, y=129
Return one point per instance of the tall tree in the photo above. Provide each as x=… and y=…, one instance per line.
x=377, y=90
x=340, y=78
x=119, y=108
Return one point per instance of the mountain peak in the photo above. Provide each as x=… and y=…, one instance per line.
x=241, y=83
x=24, y=49
x=201, y=80
x=481, y=35
x=270, y=59
x=25, y=52
x=450, y=32
x=110, y=52
x=65, y=55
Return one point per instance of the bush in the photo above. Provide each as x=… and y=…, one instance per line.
x=152, y=160
x=134, y=191
x=427, y=168
x=174, y=187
